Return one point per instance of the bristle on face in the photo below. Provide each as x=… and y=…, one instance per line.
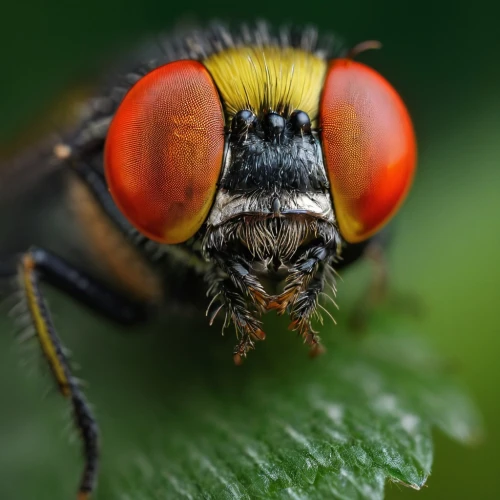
x=269, y=78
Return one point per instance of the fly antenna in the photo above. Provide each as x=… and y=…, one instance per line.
x=362, y=47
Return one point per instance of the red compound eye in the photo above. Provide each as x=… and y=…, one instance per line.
x=369, y=147
x=164, y=150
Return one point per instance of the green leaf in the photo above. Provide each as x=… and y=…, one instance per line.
x=180, y=421
x=289, y=427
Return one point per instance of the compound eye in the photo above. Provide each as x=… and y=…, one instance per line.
x=368, y=145
x=164, y=150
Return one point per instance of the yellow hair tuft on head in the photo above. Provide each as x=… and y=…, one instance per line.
x=268, y=78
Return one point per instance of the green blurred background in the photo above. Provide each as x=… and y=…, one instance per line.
x=443, y=57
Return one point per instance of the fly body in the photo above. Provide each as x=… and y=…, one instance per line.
x=254, y=163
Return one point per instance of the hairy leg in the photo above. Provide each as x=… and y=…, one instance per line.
x=243, y=297
x=37, y=266
x=305, y=282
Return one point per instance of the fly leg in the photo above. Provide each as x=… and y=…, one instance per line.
x=300, y=296
x=37, y=266
x=378, y=291
x=242, y=296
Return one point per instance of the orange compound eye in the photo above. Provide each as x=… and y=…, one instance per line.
x=368, y=145
x=164, y=150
